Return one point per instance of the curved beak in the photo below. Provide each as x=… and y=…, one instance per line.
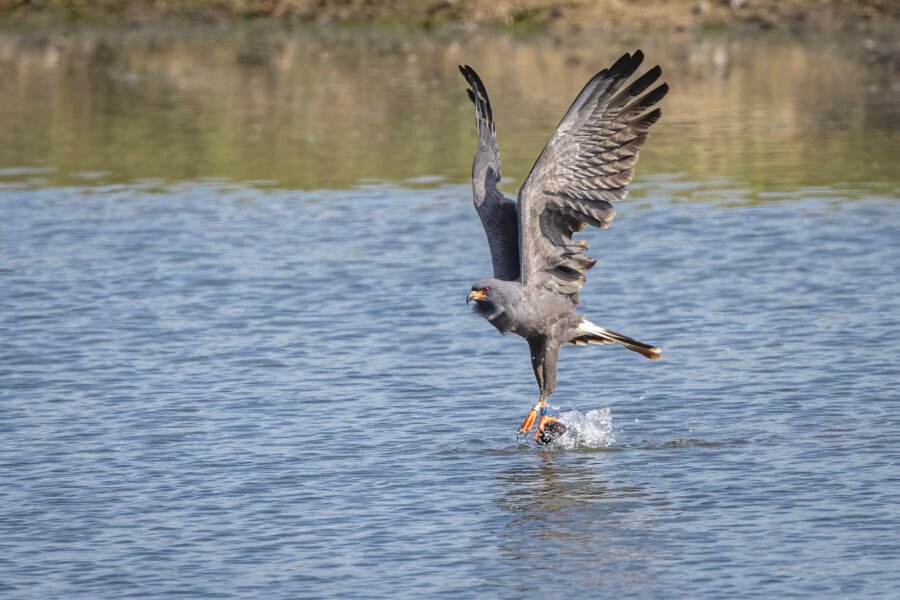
x=475, y=295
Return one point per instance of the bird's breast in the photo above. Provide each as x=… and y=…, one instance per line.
x=503, y=323
x=539, y=315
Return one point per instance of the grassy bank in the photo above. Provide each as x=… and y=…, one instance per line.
x=600, y=14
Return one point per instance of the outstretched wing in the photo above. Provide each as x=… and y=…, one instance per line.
x=584, y=168
x=498, y=214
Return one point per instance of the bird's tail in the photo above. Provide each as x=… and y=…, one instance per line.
x=588, y=333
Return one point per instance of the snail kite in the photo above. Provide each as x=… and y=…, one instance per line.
x=582, y=172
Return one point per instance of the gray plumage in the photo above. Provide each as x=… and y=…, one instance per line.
x=498, y=213
x=582, y=171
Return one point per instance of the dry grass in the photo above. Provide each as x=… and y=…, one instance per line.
x=635, y=14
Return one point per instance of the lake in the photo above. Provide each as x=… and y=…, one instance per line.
x=236, y=359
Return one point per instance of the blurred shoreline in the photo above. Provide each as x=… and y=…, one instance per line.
x=332, y=107
x=640, y=15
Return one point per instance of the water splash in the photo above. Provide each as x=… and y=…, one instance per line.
x=592, y=429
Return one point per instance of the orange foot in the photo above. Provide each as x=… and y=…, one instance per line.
x=528, y=423
x=548, y=430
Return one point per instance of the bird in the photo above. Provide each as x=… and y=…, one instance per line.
x=538, y=268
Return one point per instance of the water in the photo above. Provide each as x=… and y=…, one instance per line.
x=236, y=359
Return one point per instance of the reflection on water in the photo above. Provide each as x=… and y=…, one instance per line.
x=550, y=488
x=303, y=109
x=569, y=516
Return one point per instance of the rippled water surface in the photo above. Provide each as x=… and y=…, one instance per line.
x=236, y=359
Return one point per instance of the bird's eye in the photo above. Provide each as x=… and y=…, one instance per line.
x=485, y=290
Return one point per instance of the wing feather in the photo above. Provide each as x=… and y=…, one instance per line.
x=498, y=214
x=583, y=170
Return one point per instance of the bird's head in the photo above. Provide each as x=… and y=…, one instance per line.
x=492, y=296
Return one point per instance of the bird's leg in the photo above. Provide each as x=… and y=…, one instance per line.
x=538, y=348
x=543, y=361
x=539, y=409
x=548, y=428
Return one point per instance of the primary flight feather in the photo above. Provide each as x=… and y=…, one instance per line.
x=582, y=171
